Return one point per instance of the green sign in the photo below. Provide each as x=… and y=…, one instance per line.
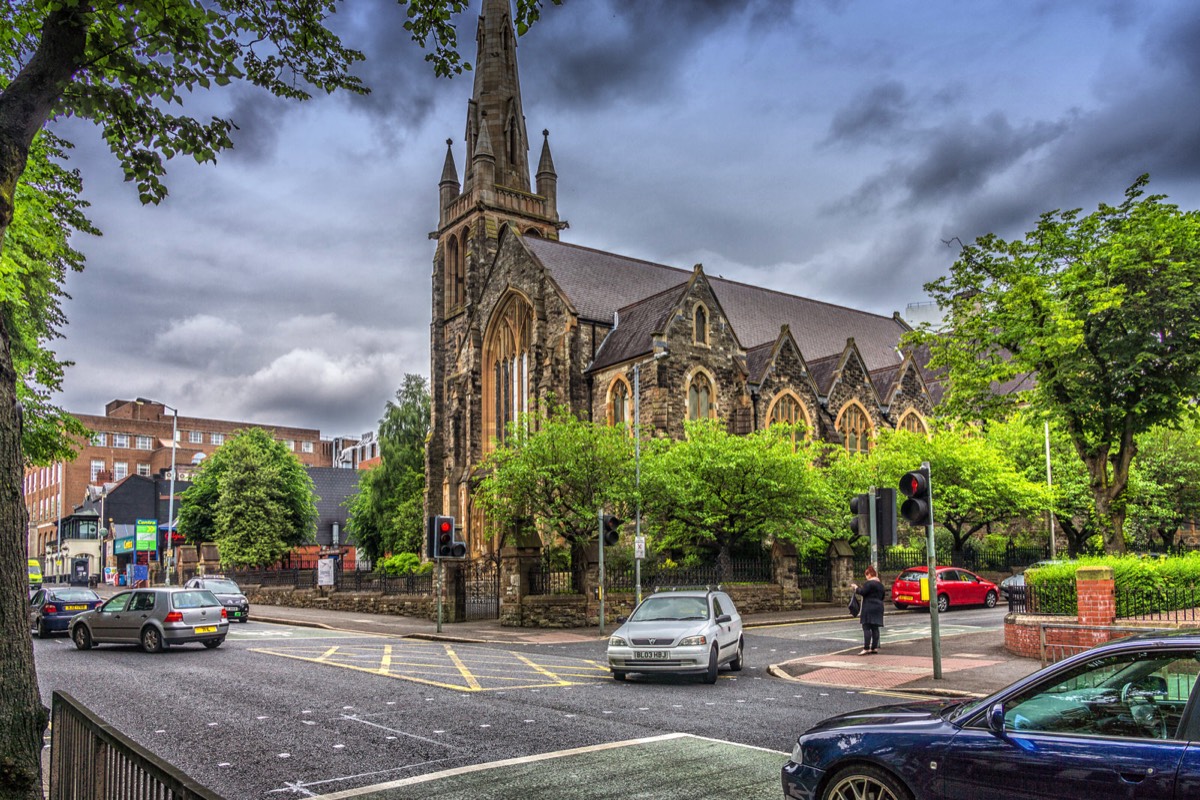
x=122, y=546
x=147, y=534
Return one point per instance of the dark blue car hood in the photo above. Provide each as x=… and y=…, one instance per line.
x=898, y=713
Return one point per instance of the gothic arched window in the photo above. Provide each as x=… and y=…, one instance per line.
x=700, y=325
x=788, y=410
x=913, y=423
x=855, y=427
x=619, y=410
x=700, y=397
x=506, y=365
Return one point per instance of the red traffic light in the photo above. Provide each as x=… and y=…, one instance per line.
x=918, y=508
x=445, y=525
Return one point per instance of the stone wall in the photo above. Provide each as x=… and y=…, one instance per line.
x=403, y=605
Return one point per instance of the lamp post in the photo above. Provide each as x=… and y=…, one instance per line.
x=171, y=497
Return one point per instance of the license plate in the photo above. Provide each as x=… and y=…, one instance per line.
x=74, y=608
x=904, y=597
x=650, y=654
x=205, y=629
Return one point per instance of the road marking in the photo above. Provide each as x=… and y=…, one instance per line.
x=385, y=664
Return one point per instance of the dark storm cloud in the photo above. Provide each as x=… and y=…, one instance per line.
x=872, y=115
x=612, y=49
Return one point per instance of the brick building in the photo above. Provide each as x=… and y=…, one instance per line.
x=519, y=315
x=133, y=438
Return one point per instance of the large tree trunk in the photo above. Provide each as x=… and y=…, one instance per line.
x=22, y=715
x=1108, y=475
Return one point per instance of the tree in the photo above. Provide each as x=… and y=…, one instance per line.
x=974, y=484
x=552, y=475
x=386, y=513
x=252, y=498
x=1166, y=481
x=1023, y=438
x=1092, y=319
x=715, y=490
x=123, y=66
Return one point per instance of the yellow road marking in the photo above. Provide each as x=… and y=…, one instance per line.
x=541, y=670
x=385, y=663
x=328, y=653
x=462, y=668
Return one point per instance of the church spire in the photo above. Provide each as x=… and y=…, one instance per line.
x=496, y=99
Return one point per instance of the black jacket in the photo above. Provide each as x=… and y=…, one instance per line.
x=872, y=606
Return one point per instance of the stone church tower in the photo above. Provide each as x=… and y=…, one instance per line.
x=519, y=316
x=495, y=193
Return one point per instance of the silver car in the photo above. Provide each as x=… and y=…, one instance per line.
x=153, y=618
x=681, y=632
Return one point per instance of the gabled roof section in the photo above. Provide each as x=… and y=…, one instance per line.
x=822, y=371
x=636, y=325
x=884, y=381
x=600, y=283
x=758, y=359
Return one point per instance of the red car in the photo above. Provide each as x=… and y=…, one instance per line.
x=955, y=587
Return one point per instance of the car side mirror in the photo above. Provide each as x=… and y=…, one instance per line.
x=724, y=618
x=995, y=718
x=622, y=620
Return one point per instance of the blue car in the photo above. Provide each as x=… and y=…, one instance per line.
x=51, y=609
x=1118, y=721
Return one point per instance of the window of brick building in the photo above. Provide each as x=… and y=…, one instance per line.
x=195, y=437
x=143, y=443
x=618, y=403
x=120, y=440
x=216, y=438
x=97, y=466
x=120, y=470
x=306, y=447
x=700, y=398
x=100, y=439
x=912, y=422
x=143, y=470
x=788, y=410
x=855, y=427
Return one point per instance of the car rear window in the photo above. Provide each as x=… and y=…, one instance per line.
x=194, y=598
x=74, y=595
x=227, y=587
x=911, y=575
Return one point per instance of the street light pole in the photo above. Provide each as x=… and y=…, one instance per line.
x=171, y=497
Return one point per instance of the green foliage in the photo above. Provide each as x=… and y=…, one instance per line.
x=1141, y=584
x=553, y=474
x=33, y=265
x=252, y=498
x=1101, y=310
x=1165, y=484
x=387, y=511
x=714, y=490
x=403, y=564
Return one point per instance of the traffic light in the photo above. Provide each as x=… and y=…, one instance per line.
x=918, y=508
x=885, y=517
x=610, y=527
x=446, y=543
x=860, y=507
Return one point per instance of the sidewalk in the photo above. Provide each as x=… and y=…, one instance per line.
x=973, y=664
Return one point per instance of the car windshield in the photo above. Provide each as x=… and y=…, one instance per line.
x=224, y=587
x=34, y=570
x=671, y=608
x=194, y=598
x=73, y=595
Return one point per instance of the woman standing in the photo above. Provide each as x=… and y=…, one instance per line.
x=871, y=616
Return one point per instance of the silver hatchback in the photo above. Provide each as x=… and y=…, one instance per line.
x=153, y=618
x=681, y=632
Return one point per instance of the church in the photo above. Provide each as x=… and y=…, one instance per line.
x=519, y=315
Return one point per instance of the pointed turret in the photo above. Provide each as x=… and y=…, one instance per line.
x=448, y=186
x=496, y=99
x=483, y=163
x=547, y=178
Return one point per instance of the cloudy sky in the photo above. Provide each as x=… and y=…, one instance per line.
x=826, y=148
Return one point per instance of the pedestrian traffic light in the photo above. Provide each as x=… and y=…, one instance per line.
x=610, y=528
x=446, y=541
x=885, y=517
x=918, y=508
x=430, y=539
x=860, y=507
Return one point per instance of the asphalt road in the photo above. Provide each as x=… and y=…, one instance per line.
x=280, y=711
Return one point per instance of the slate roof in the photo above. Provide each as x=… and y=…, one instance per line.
x=757, y=359
x=636, y=325
x=599, y=283
x=822, y=370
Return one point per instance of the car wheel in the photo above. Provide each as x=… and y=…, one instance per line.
x=82, y=637
x=738, y=659
x=618, y=675
x=151, y=639
x=711, y=675
x=213, y=644
x=943, y=603
x=990, y=600
x=42, y=631
x=901, y=606
x=862, y=780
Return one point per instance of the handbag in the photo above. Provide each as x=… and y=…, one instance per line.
x=855, y=605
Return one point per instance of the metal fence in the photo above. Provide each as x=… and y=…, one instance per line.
x=1159, y=603
x=1051, y=598
x=89, y=760
x=740, y=570
x=973, y=557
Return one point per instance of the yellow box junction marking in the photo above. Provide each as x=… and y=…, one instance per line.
x=442, y=665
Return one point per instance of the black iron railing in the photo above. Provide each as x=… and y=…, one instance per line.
x=1051, y=598
x=89, y=760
